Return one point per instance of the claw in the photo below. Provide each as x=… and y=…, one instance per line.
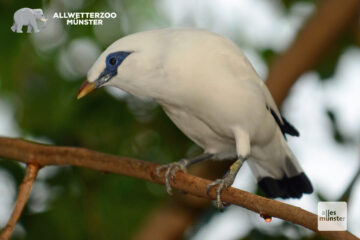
x=159, y=169
x=171, y=170
x=221, y=183
x=210, y=185
x=226, y=182
x=177, y=167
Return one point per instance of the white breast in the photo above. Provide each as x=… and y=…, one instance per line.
x=201, y=133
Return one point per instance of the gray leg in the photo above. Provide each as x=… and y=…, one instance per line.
x=181, y=165
x=13, y=27
x=226, y=181
x=29, y=28
x=19, y=28
x=34, y=25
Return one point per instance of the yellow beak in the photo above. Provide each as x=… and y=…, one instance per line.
x=43, y=19
x=85, y=88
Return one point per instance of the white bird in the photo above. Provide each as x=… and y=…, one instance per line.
x=209, y=89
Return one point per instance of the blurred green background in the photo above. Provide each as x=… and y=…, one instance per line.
x=41, y=73
x=81, y=203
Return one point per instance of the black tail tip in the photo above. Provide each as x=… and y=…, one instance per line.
x=292, y=187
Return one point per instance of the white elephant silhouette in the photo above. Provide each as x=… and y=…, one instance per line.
x=27, y=17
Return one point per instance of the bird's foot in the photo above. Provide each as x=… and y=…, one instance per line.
x=171, y=170
x=226, y=182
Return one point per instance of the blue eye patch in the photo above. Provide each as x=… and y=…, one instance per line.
x=113, y=60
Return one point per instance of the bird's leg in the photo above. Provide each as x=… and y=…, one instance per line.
x=181, y=165
x=226, y=181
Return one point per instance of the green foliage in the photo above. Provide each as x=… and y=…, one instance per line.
x=83, y=204
x=289, y=3
x=337, y=134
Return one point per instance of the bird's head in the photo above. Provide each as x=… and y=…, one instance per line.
x=128, y=64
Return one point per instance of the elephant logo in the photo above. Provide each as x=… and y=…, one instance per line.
x=27, y=17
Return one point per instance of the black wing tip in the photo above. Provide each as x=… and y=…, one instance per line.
x=286, y=127
x=292, y=187
x=289, y=128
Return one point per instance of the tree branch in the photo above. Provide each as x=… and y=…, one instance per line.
x=333, y=18
x=23, y=195
x=42, y=155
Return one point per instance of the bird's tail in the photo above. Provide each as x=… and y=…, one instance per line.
x=13, y=28
x=278, y=172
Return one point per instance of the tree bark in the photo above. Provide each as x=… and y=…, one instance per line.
x=42, y=155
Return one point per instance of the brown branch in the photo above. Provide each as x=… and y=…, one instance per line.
x=332, y=19
x=42, y=155
x=23, y=195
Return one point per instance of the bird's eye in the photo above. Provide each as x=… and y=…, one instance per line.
x=112, y=61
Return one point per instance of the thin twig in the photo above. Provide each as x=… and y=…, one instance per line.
x=21, y=150
x=23, y=195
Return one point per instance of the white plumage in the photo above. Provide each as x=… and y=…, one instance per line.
x=208, y=88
